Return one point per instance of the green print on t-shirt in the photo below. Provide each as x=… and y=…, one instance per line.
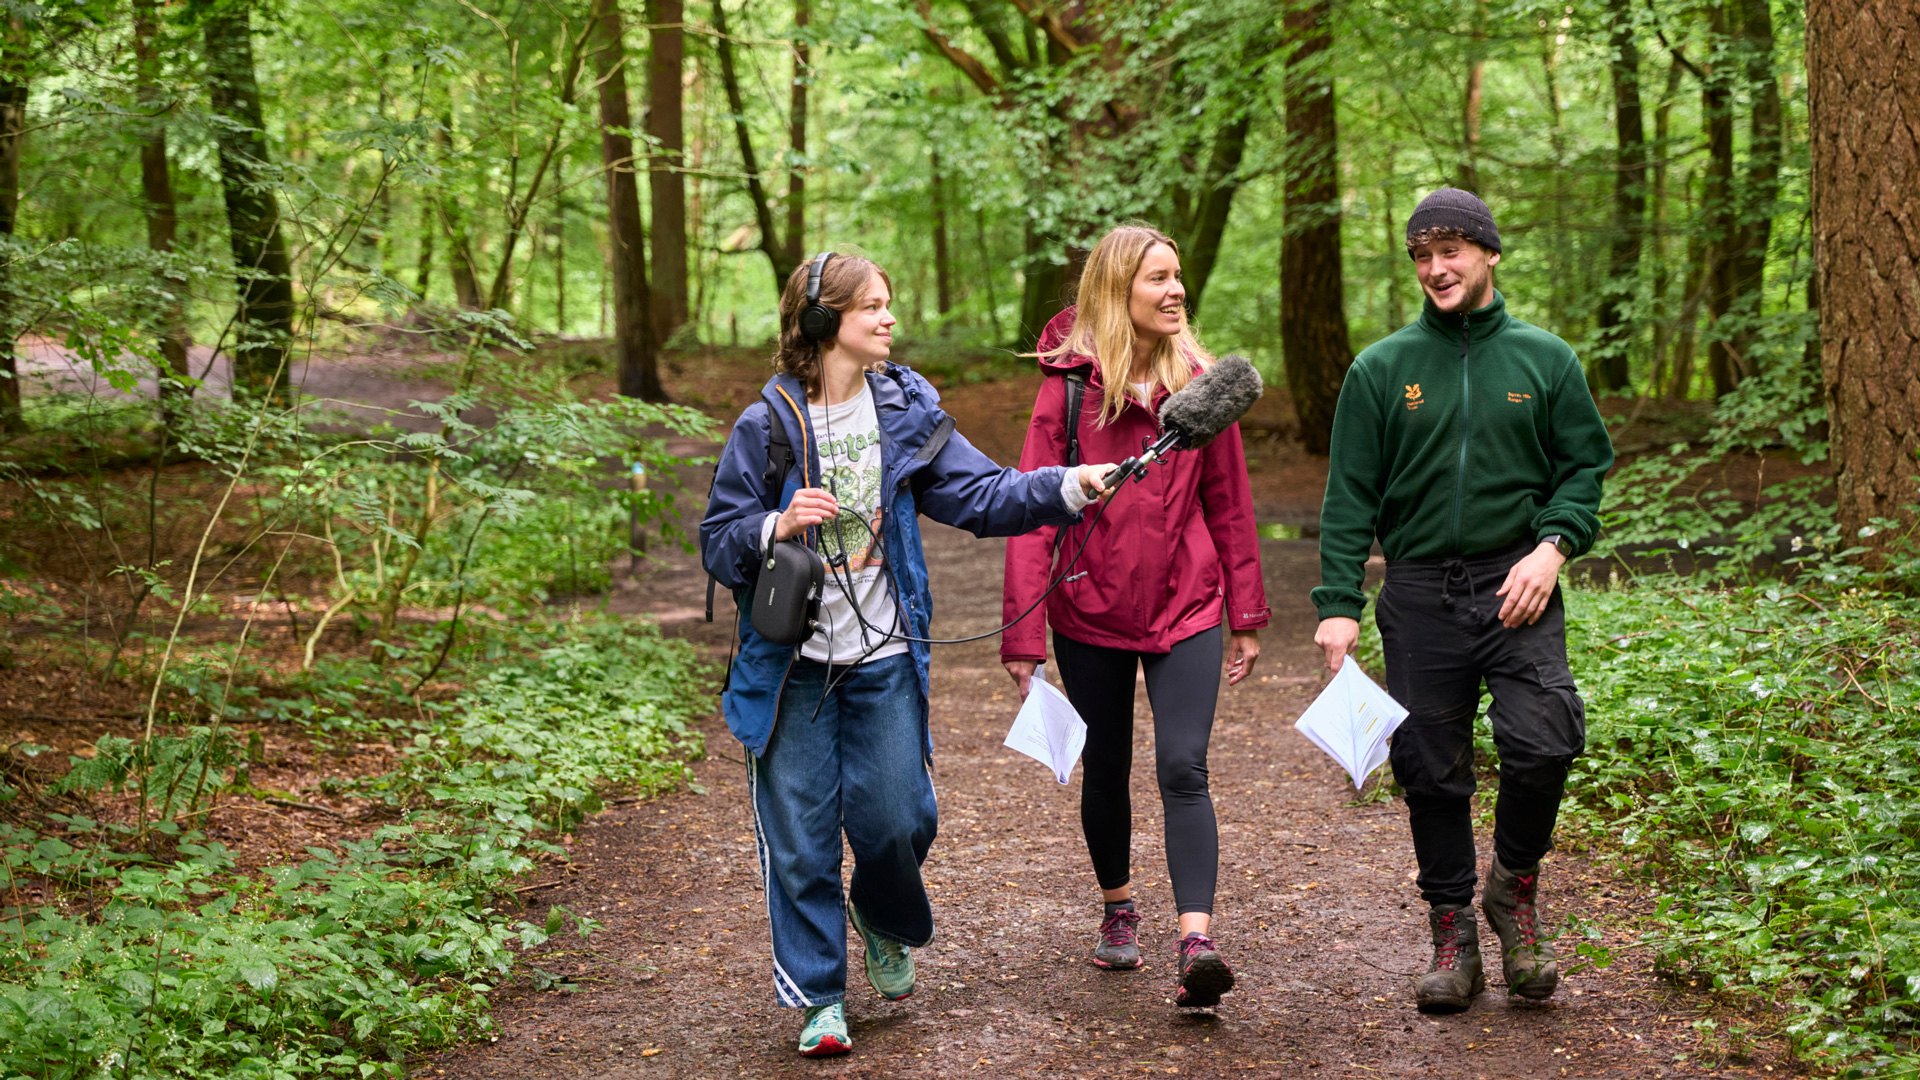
x=849, y=446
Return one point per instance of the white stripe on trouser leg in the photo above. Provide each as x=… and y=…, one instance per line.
x=784, y=987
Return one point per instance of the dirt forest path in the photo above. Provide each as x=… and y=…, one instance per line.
x=1316, y=910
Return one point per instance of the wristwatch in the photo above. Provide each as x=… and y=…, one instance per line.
x=1560, y=544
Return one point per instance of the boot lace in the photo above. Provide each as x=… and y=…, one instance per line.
x=1525, y=888
x=1118, y=928
x=1446, y=951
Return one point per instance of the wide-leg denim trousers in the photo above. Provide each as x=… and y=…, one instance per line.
x=856, y=767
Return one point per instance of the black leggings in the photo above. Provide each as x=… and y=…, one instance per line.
x=1182, y=687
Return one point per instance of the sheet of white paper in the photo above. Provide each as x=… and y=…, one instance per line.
x=1351, y=720
x=1047, y=729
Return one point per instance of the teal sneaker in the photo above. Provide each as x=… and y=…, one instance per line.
x=824, y=1032
x=889, y=963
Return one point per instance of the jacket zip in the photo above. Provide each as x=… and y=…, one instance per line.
x=1466, y=426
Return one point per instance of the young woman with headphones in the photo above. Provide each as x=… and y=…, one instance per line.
x=1172, y=557
x=836, y=728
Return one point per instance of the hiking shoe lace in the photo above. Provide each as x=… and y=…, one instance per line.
x=1119, y=948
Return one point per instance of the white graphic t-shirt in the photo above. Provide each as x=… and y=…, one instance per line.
x=848, y=433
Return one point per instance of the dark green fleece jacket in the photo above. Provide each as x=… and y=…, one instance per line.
x=1455, y=436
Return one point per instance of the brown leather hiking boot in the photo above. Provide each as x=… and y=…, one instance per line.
x=1454, y=976
x=1510, y=904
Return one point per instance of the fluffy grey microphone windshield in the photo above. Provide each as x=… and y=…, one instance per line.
x=1211, y=403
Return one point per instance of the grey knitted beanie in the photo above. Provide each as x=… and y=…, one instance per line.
x=1456, y=211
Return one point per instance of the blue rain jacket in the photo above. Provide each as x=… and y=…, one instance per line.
x=960, y=487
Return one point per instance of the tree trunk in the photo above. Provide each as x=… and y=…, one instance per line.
x=1663, y=310
x=1629, y=204
x=1470, y=105
x=423, y=264
x=14, y=54
x=778, y=254
x=1865, y=127
x=637, y=368
x=666, y=182
x=1753, y=232
x=263, y=326
x=1717, y=209
x=942, y=261
x=797, y=140
x=1313, y=318
x=1049, y=286
x=156, y=186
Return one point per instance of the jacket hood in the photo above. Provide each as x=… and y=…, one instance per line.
x=1056, y=332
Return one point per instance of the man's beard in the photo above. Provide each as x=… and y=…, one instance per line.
x=1473, y=288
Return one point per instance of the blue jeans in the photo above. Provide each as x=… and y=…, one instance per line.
x=857, y=767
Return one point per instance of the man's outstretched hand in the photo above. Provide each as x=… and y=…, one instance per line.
x=1529, y=586
x=1337, y=637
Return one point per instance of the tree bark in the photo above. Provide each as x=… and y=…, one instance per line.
x=263, y=326
x=666, y=181
x=156, y=187
x=1865, y=127
x=1629, y=203
x=1313, y=318
x=14, y=56
x=637, y=367
x=942, y=260
x=423, y=263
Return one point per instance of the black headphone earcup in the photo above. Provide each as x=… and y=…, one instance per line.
x=818, y=322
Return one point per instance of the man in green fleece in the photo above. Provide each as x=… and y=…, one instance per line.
x=1467, y=443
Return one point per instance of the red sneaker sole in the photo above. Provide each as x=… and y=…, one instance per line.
x=828, y=1047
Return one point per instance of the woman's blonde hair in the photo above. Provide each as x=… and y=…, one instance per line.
x=842, y=283
x=1103, y=325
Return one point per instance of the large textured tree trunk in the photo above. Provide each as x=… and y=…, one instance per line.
x=637, y=368
x=263, y=327
x=1629, y=203
x=1313, y=317
x=666, y=182
x=156, y=185
x=13, y=122
x=1865, y=126
x=1753, y=232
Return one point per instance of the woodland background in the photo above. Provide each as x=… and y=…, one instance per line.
x=350, y=351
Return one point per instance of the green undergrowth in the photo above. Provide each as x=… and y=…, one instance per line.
x=1756, y=751
x=153, y=956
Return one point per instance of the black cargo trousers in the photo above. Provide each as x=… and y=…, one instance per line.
x=1439, y=623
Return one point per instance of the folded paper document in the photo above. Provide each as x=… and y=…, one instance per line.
x=1047, y=729
x=1351, y=720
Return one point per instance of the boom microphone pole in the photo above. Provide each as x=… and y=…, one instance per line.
x=1195, y=415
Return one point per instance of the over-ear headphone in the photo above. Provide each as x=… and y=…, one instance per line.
x=818, y=322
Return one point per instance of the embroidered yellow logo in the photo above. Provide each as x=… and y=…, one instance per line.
x=1414, y=400
x=1517, y=398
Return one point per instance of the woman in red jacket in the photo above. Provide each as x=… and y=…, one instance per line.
x=1174, y=555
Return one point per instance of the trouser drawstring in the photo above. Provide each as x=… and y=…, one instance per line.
x=1457, y=574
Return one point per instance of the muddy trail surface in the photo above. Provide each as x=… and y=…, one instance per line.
x=1316, y=910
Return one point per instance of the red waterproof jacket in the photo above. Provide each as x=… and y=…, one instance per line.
x=1171, y=548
